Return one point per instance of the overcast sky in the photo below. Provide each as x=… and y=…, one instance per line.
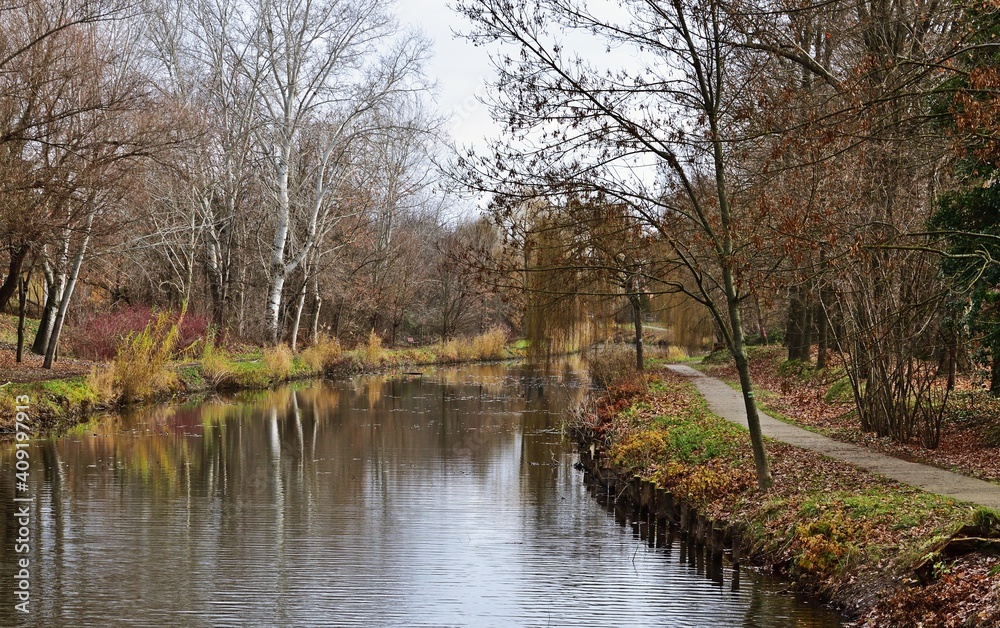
x=457, y=66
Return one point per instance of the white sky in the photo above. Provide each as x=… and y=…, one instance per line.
x=459, y=68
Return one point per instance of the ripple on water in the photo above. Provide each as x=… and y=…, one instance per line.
x=328, y=506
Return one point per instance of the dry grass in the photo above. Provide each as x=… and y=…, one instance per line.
x=675, y=353
x=450, y=351
x=101, y=380
x=611, y=363
x=279, y=361
x=215, y=368
x=322, y=354
x=141, y=364
x=489, y=345
x=372, y=350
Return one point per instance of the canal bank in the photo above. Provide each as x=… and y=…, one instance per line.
x=883, y=552
x=60, y=403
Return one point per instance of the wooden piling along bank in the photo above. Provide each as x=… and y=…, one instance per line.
x=659, y=516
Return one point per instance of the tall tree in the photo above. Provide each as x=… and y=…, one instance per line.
x=602, y=127
x=967, y=217
x=320, y=65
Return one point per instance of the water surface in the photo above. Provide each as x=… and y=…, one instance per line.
x=436, y=500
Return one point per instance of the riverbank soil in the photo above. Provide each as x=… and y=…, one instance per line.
x=867, y=544
x=30, y=368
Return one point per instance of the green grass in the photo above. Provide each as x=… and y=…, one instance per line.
x=8, y=329
x=52, y=404
x=840, y=391
x=73, y=390
x=823, y=522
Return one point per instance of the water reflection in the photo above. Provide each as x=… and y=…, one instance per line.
x=442, y=499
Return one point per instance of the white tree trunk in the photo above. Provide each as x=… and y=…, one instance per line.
x=50, y=351
x=318, y=303
x=298, y=315
x=278, y=269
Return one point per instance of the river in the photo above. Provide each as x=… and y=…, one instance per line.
x=442, y=499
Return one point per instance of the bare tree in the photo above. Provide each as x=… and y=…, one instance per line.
x=596, y=126
x=319, y=66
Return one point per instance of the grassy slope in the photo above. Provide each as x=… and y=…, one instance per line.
x=847, y=534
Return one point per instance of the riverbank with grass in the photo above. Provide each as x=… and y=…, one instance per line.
x=144, y=370
x=885, y=553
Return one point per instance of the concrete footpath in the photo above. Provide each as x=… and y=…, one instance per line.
x=728, y=403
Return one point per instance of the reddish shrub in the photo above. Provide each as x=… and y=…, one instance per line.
x=96, y=334
x=193, y=328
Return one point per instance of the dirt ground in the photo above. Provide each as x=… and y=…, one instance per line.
x=30, y=370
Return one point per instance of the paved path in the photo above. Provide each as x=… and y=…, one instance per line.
x=728, y=403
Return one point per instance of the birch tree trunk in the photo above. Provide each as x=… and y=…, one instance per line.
x=57, y=324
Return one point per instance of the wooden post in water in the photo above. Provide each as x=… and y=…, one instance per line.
x=737, y=540
x=634, y=492
x=621, y=517
x=634, y=495
x=717, y=544
x=661, y=504
x=659, y=516
x=647, y=497
x=684, y=521
x=699, y=542
x=650, y=493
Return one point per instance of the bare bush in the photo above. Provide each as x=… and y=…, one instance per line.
x=610, y=363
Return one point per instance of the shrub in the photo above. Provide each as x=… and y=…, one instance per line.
x=279, y=361
x=448, y=351
x=98, y=333
x=489, y=345
x=192, y=328
x=611, y=363
x=824, y=544
x=216, y=367
x=322, y=354
x=986, y=521
x=676, y=354
x=141, y=365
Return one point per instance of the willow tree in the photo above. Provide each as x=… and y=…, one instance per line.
x=578, y=260
x=653, y=132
